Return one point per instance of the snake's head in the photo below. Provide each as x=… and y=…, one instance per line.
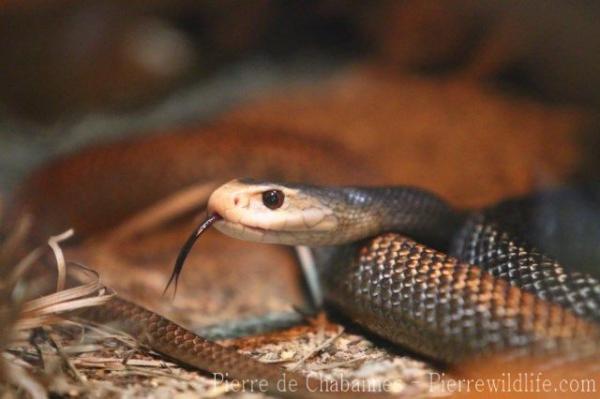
x=283, y=214
x=265, y=212
x=271, y=213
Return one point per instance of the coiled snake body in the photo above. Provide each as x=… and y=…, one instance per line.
x=502, y=295
x=448, y=284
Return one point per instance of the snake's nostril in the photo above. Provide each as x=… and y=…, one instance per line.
x=236, y=200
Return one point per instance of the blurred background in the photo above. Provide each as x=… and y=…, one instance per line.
x=74, y=71
x=475, y=100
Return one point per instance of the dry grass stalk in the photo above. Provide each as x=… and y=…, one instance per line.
x=18, y=315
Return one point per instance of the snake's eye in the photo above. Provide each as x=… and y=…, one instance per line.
x=273, y=199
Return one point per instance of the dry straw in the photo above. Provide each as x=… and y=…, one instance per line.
x=20, y=316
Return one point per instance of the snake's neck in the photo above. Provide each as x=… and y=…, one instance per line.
x=413, y=212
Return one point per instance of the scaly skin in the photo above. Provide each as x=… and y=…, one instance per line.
x=480, y=242
x=430, y=302
x=184, y=346
x=411, y=294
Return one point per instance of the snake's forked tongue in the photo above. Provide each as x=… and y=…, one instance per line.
x=185, y=250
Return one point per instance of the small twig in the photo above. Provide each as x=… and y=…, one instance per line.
x=78, y=349
x=274, y=361
x=63, y=356
x=148, y=372
x=20, y=377
x=60, y=258
x=10, y=356
x=338, y=364
x=102, y=361
x=108, y=332
x=24, y=356
x=316, y=350
x=38, y=350
x=127, y=356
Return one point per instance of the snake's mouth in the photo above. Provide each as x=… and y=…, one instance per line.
x=243, y=231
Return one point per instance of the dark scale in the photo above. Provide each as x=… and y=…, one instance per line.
x=391, y=286
x=413, y=295
x=482, y=242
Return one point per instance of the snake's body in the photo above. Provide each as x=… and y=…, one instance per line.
x=405, y=291
x=184, y=346
x=448, y=310
x=512, y=298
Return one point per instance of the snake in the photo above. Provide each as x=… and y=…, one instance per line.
x=411, y=293
x=400, y=261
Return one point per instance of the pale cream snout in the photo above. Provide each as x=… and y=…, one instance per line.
x=245, y=216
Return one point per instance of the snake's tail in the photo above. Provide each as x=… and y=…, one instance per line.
x=185, y=250
x=182, y=345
